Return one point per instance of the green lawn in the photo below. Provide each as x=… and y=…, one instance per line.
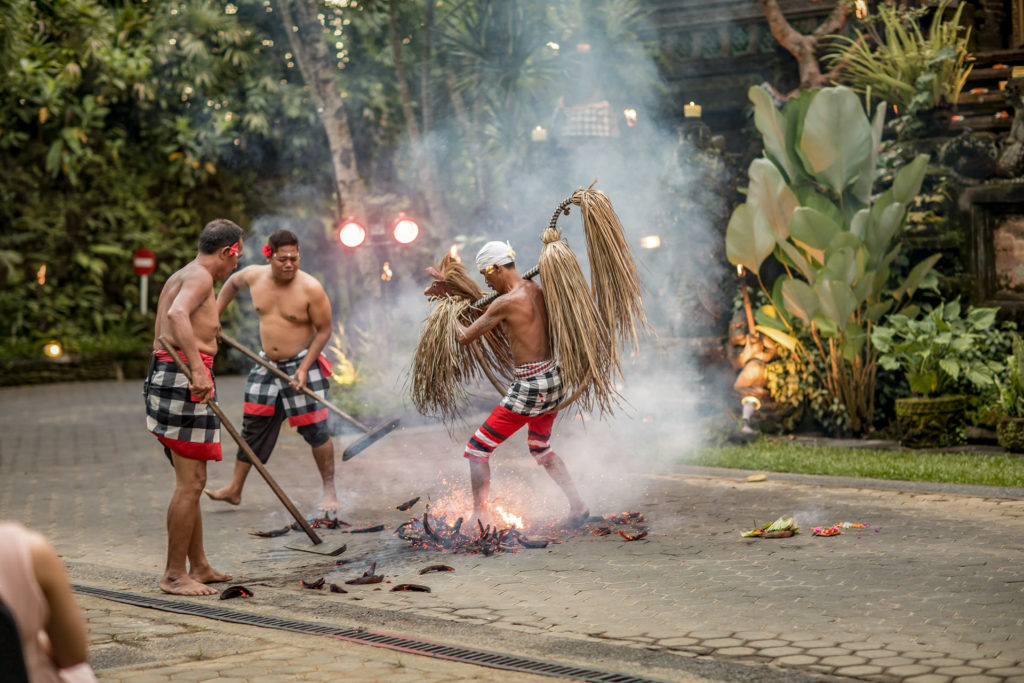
x=780, y=456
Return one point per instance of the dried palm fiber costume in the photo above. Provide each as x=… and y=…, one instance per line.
x=586, y=322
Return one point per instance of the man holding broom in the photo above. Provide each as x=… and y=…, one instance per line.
x=175, y=409
x=536, y=390
x=295, y=325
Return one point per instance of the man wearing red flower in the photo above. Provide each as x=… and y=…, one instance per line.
x=176, y=411
x=295, y=325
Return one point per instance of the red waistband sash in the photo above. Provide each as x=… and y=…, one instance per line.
x=162, y=355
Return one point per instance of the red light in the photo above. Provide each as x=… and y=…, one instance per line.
x=351, y=234
x=405, y=231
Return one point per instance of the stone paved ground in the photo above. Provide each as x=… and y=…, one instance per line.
x=931, y=591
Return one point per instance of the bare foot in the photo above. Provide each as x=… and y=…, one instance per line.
x=225, y=495
x=184, y=585
x=329, y=502
x=209, y=575
x=576, y=518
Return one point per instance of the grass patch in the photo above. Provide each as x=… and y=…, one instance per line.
x=952, y=468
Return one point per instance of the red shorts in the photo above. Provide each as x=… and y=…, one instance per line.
x=503, y=423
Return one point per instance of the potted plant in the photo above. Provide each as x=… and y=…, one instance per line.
x=935, y=355
x=1010, y=429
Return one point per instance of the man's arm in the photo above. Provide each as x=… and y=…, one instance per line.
x=194, y=291
x=488, y=320
x=233, y=286
x=320, y=317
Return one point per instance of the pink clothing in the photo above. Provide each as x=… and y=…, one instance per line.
x=23, y=596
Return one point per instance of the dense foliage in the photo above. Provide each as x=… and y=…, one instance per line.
x=127, y=125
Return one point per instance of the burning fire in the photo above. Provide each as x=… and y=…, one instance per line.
x=454, y=252
x=739, y=270
x=41, y=275
x=861, y=8
x=630, y=115
x=386, y=272
x=514, y=521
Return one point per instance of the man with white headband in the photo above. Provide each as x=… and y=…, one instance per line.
x=536, y=391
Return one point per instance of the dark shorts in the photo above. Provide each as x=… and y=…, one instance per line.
x=269, y=400
x=261, y=433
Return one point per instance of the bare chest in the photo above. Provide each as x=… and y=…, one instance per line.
x=280, y=303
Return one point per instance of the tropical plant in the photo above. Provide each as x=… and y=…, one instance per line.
x=810, y=204
x=934, y=352
x=901, y=64
x=1011, y=388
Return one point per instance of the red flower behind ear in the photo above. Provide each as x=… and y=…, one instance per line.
x=267, y=251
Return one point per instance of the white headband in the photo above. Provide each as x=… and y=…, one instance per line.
x=495, y=254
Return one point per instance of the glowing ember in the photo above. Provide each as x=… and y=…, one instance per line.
x=386, y=272
x=514, y=521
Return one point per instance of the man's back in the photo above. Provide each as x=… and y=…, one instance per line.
x=198, y=283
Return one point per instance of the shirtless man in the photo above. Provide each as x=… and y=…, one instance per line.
x=295, y=325
x=536, y=389
x=175, y=409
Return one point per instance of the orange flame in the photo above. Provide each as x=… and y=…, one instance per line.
x=514, y=521
x=630, y=115
x=454, y=251
x=386, y=272
x=739, y=270
x=861, y=8
x=41, y=275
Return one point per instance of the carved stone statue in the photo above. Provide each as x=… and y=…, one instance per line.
x=1011, y=155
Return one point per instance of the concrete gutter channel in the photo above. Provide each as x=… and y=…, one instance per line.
x=573, y=659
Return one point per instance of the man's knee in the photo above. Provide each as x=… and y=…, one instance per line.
x=316, y=434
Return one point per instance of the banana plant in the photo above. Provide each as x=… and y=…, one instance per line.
x=810, y=206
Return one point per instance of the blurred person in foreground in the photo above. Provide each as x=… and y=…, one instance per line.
x=35, y=592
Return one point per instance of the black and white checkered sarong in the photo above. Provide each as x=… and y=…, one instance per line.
x=536, y=388
x=188, y=427
x=263, y=389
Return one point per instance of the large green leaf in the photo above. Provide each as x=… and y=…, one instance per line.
x=836, y=140
x=772, y=126
x=859, y=223
x=791, y=255
x=907, y=183
x=800, y=299
x=837, y=302
x=841, y=265
x=866, y=175
x=853, y=342
x=916, y=275
x=813, y=230
x=769, y=192
x=748, y=240
x=882, y=230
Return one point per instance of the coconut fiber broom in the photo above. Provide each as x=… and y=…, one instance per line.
x=587, y=322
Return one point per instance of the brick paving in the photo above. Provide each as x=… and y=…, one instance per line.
x=931, y=591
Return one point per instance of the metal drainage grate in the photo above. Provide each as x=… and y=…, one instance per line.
x=415, y=646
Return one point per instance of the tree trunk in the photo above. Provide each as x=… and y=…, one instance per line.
x=805, y=47
x=318, y=70
x=423, y=156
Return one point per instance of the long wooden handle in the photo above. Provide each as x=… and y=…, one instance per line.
x=245, y=447
x=283, y=375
